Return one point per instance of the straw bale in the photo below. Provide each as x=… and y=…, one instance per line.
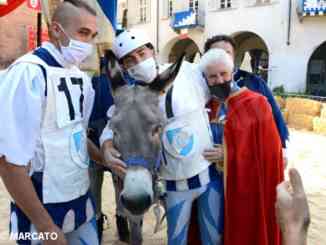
x=319, y=125
x=303, y=106
x=323, y=111
x=300, y=121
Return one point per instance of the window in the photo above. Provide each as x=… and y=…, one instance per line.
x=194, y=5
x=191, y=4
x=262, y=1
x=170, y=10
x=259, y=2
x=143, y=8
x=225, y=4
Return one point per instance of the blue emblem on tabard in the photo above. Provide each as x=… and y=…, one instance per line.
x=181, y=141
x=81, y=146
x=77, y=140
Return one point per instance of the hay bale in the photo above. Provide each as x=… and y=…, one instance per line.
x=323, y=111
x=300, y=121
x=319, y=125
x=280, y=101
x=303, y=106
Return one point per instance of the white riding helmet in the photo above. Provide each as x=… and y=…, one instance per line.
x=128, y=41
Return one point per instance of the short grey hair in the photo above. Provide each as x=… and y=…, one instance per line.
x=216, y=56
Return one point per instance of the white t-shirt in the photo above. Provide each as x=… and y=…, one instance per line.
x=22, y=100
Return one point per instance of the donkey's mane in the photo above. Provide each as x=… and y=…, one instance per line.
x=139, y=95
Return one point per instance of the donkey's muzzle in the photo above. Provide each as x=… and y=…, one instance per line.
x=136, y=205
x=137, y=194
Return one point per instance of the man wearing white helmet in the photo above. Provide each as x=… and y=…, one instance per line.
x=136, y=52
x=188, y=172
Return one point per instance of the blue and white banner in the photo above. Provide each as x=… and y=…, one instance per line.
x=312, y=7
x=184, y=19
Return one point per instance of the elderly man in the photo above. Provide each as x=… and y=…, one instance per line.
x=218, y=111
x=253, y=156
x=250, y=81
x=47, y=102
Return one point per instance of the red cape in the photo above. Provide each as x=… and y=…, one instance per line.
x=254, y=167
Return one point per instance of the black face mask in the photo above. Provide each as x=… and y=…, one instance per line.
x=221, y=91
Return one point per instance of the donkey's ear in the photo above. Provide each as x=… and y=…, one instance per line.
x=113, y=71
x=167, y=77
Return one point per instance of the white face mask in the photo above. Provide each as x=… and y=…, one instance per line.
x=76, y=51
x=145, y=71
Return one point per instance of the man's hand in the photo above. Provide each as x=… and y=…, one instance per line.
x=215, y=155
x=94, y=152
x=61, y=240
x=21, y=189
x=112, y=159
x=292, y=210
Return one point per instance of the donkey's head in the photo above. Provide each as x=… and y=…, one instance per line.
x=137, y=123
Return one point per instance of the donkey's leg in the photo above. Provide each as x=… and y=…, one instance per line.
x=136, y=229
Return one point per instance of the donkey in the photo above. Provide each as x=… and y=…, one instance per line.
x=137, y=123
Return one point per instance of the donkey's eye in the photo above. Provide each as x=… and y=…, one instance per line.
x=115, y=134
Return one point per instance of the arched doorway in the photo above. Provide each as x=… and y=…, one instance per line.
x=187, y=46
x=316, y=76
x=252, y=53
